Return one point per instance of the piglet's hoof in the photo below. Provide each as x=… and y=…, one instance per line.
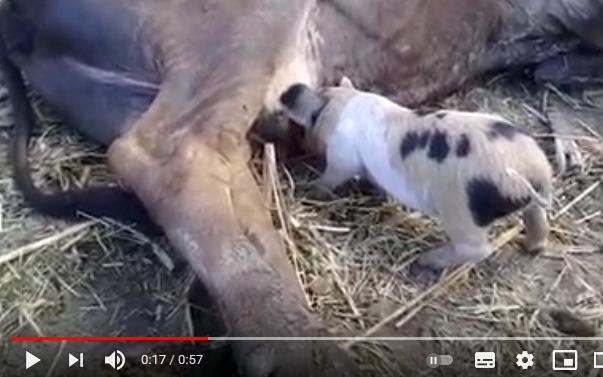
x=424, y=274
x=318, y=191
x=296, y=358
x=530, y=248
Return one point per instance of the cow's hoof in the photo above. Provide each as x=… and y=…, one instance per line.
x=286, y=358
x=576, y=68
x=568, y=155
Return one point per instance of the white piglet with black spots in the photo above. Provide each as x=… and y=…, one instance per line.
x=466, y=169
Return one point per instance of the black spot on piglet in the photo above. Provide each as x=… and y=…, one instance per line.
x=409, y=144
x=463, y=146
x=413, y=141
x=503, y=129
x=438, y=147
x=487, y=203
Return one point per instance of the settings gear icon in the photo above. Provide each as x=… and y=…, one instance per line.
x=525, y=360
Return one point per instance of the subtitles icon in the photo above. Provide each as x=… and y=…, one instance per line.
x=485, y=360
x=116, y=360
x=598, y=360
x=565, y=360
x=434, y=361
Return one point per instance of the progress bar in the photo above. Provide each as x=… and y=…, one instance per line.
x=296, y=338
x=107, y=338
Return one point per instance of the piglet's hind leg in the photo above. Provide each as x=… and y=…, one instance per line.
x=536, y=228
x=468, y=241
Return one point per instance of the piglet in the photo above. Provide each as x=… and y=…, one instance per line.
x=466, y=169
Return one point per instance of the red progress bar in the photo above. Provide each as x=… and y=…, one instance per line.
x=108, y=338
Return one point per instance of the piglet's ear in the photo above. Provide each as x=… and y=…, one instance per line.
x=346, y=83
x=302, y=104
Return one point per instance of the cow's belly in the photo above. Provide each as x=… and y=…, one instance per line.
x=100, y=104
x=87, y=58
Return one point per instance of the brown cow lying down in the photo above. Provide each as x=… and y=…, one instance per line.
x=172, y=87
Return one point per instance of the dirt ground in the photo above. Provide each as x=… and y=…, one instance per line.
x=351, y=253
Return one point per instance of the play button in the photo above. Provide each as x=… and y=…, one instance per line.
x=30, y=360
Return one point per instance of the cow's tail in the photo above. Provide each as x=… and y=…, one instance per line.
x=111, y=202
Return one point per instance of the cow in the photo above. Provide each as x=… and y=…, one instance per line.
x=173, y=87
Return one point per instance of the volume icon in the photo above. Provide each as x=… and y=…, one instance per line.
x=116, y=360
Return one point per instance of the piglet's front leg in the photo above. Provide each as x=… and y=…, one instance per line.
x=330, y=180
x=341, y=167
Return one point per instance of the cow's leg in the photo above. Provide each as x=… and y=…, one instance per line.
x=217, y=220
x=200, y=190
x=580, y=17
x=581, y=66
x=536, y=22
x=208, y=321
x=533, y=31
